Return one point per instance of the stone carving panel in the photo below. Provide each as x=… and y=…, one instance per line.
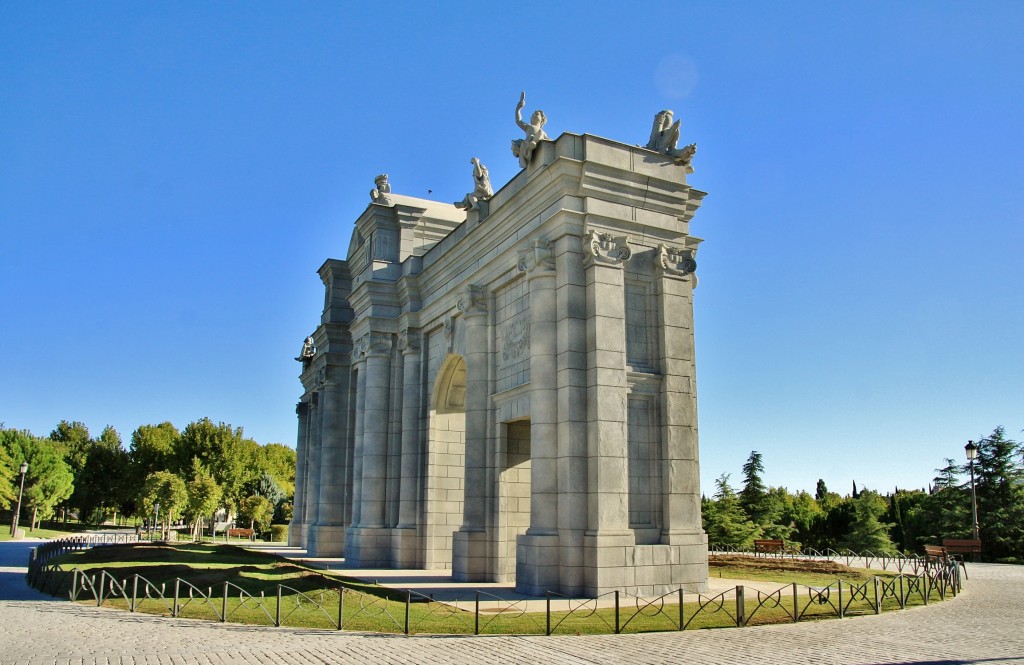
x=605, y=248
x=675, y=262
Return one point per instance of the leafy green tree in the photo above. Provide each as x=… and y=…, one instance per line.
x=49, y=480
x=73, y=443
x=867, y=532
x=799, y=514
x=279, y=461
x=101, y=482
x=151, y=450
x=229, y=457
x=257, y=510
x=168, y=490
x=8, y=469
x=725, y=521
x=999, y=480
x=204, y=495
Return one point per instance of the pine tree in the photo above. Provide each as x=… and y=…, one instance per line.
x=999, y=479
x=725, y=521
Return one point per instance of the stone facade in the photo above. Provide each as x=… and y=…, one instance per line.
x=509, y=391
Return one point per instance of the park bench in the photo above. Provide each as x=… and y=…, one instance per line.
x=961, y=546
x=241, y=533
x=935, y=554
x=769, y=546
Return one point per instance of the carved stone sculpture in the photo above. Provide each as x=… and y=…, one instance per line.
x=308, y=351
x=523, y=148
x=379, y=194
x=665, y=137
x=482, y=189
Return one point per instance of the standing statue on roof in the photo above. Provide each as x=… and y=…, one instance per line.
x=482, y=190
x=523, y=148
x=665, y=137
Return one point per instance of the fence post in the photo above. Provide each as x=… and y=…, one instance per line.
x=903, y=599
x=476, y=613
x=616, y=611
x=842, y=610
x=135, y=589
x=73, y=594
x=341, y=607
x=99, y=592
x=796, y=604
x=408, y=599
x=547, y=612
x=680, y=608
x=927, y=586
x=224, y=605
x=174, y=607
x=740, y=607
x=277, y=612
x=878, y=602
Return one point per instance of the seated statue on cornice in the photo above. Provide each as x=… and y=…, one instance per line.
x=523, y=148
x=482, y=190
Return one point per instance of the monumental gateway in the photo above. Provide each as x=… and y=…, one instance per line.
x=505, y=387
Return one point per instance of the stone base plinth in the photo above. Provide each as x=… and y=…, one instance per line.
x=296, y=534
x=405, y=547
x=368, y=547
x=325, y=540
x=615, y=562
x=537, y=569
x=469, y=556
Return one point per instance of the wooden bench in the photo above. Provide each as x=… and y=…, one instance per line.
x=769, y=547
x=935, y=554
x=961, y=546
x=240, y=533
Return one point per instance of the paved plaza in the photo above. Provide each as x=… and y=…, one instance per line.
x=984, y=624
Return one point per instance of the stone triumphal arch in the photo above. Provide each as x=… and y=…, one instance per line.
x=505, y=387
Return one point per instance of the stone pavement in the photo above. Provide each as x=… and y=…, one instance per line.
x=984, y=624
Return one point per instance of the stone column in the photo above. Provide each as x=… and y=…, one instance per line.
x=330, y=539
x=405, y=545
x=370, y=542
x=312, y=503
x=681, y=506
x=297, y=528
x=469, y=549
x=537, y=560
x=359, y=363
x=608, y=535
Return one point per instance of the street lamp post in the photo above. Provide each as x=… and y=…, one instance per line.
x=17, y=509
x=156, y=520
x=972, y=453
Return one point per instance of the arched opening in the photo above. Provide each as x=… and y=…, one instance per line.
x=513, y=494
x=446, y=462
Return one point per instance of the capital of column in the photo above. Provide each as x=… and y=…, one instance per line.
x=606, y=249
x=674, y=262
x=378, y=344
x=302, y=408
x=409, y=341
x=474, y=300
x=537, y=259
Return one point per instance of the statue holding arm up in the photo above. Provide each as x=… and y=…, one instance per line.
x=523, y=148
x=482, y=190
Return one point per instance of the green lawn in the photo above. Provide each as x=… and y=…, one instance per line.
x=255, y=581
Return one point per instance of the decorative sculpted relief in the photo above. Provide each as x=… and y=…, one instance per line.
x=538, y=257
x=675, y=262
x=409, y=340
x=516, y=335
x=474, y=300
x=605, y=248
x=378, y=344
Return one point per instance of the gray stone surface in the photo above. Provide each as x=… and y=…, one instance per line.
x=982, y=624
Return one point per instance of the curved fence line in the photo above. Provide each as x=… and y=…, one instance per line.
x=340, y=607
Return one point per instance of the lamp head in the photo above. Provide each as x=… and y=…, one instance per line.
x=972, y=451
x=24, y=467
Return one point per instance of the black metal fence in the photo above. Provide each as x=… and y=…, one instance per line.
x=338, y=607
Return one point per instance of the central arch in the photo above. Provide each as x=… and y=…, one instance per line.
x=446, y=461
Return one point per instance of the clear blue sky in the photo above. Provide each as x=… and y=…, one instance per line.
x=173, y=174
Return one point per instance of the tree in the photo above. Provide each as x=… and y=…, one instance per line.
x=204, y=496
x=229, y=457
x=725, y=522
x=257, y=510
x=101, y=482
x=73, y=443
x=867, y=533
x=999, y=481
x=279, y=461
x=151, y=450
x=168, y=490
x=8, y=469
x=49, y=480
x=753, y=493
